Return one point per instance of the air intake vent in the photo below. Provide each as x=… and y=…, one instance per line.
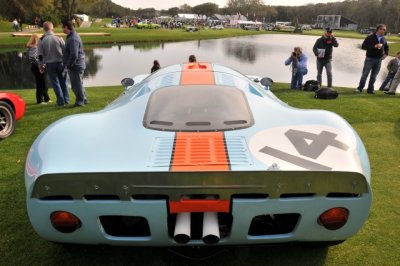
x=273, y=224
x=161, y=152
x=125, y=226
x=237, y=151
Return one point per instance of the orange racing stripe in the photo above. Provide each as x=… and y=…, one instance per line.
x=197, y=74
x=200, y=151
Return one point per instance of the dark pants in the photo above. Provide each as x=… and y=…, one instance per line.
x=388, y=80
x=42, y=94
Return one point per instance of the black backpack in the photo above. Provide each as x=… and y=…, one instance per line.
x=311, y=85
x=326, y=93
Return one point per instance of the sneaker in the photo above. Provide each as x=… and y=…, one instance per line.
x=370, y=92
x=49, y=101
x=390, y=93
x=357, y=91
x=43, y=103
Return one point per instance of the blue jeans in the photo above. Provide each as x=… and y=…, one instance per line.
x=76, y=78
x=372, y=65
x=297, y=78
x=57, y=77
x=327, y=63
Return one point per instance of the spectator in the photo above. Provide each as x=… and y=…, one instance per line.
x=394, y=84
x=377, y=50
x=323, y=51
x=299, y=67
x=50, y=54
x=192, y=59
x=15, y=25
x=392, y=67
x=20, y=24
x=74, y=62
x=42, y=95
x=156, y=66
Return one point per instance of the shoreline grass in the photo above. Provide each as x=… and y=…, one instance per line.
x=375, y=118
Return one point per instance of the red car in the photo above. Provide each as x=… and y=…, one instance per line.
x=12, y=108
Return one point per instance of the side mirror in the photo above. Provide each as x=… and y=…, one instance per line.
x=266, y=82
x=126, y=82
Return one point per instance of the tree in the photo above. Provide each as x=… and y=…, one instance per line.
x=173, y=11
x=250, y=8
x=207, y=9
x=69, y=6
x=185, y=8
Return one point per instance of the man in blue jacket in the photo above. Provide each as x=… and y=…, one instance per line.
x=74, y=62
x=323, y=51
x=377, y=50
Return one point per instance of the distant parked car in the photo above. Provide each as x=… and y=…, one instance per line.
x=147, y=25
x=252, y=27
x=191, y=28
x=12, y=108
x=306, y=27
x=217, y=27
x=268, y=27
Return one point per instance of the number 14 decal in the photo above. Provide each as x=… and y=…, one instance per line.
x=319, y=142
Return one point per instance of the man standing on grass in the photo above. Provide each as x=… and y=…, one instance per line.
x=377, y=50
x=322, y=49
x=50, y=53
x=74, y=62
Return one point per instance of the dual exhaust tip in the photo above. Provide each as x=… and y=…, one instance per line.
x=211, y=235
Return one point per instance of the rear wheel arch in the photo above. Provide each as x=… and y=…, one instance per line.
x=7, y=119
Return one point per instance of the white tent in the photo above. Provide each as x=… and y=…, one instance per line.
x=83, y=17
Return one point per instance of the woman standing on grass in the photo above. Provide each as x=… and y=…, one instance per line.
x=42, y=95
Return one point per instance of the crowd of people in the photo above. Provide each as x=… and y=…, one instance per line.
x=377, y=49
x=52, y=57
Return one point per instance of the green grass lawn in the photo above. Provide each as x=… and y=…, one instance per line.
x=376, y=118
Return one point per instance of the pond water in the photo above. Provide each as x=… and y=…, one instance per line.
x=261, y=55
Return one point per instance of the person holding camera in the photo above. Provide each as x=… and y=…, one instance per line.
x=299, y=67
x=323, y=49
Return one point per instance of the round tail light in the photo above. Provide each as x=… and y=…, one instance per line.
x=334, y=218
x=65, y=222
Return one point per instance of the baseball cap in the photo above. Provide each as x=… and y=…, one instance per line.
x=328, y=29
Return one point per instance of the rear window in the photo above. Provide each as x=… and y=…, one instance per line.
x=197, y=108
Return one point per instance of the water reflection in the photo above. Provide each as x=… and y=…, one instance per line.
x=259, y=55
x=15, y=71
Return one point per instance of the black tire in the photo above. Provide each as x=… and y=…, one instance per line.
x=7, y=120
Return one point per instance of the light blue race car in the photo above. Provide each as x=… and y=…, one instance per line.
x=198, y=154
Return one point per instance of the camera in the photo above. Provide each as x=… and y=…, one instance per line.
x=294, y=54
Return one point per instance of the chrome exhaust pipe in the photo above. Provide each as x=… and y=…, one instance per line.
x=210, y=228
x=182, y=228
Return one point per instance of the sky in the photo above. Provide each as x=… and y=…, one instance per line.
x=165, y=4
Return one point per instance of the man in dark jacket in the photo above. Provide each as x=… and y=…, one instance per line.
x=377, y=50
x=74, y=62
x=323, y=51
